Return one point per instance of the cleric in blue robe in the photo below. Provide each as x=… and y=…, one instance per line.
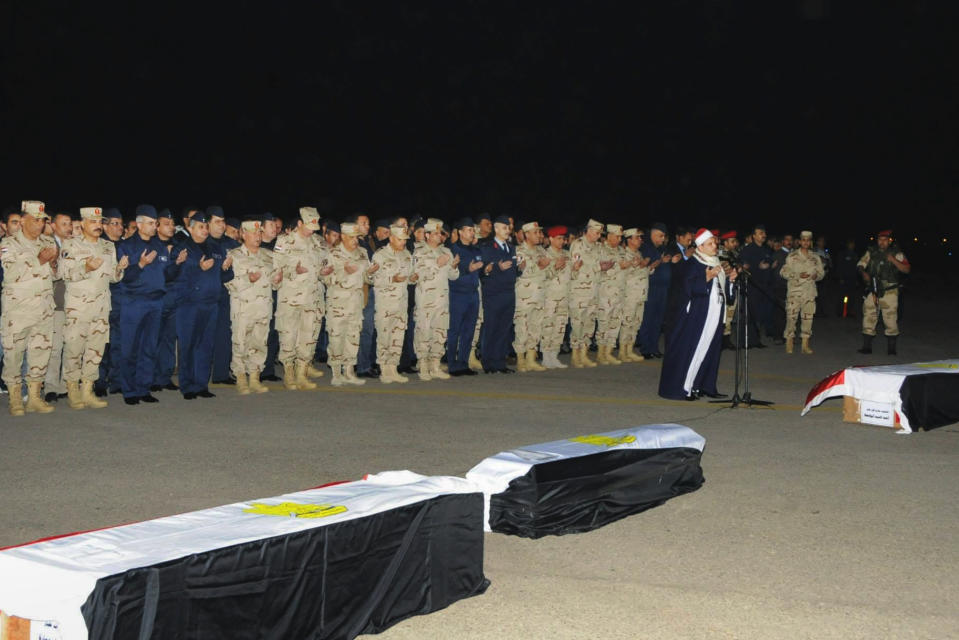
x=691, y=362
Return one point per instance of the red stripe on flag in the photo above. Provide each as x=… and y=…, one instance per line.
x=837, y=378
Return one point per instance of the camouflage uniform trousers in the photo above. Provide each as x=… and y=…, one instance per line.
x=85, y=335
x=555, y=316
x=888, y=306
x=25, y=329
x=802, y=305
x=344, y=320
x=582, y=316
x=431, y=322
x=730, y=314
x=298, y=329
x=634, y=306
x=609, y=316
x=54, y=379
x=390, y=322
x=251, y=328
x=528, y=319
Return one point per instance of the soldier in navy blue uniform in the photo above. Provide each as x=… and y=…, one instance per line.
x=691, y=364
x=760, y=262
x=464, y=300
x=223, y=336
x=198, y=285
x=166, y=345
x=141, y=304
x=499, y=297
x=660, y=274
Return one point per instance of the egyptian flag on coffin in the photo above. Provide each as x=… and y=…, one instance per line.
x=923, y=395
x=332, y=562
x=583, y=483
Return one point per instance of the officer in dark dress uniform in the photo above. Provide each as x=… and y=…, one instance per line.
x=758, y=259
x=223, y=336
x=166, y=345
x=499, y=297
x=464, y=300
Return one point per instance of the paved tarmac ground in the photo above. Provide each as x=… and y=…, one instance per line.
x=805, y=528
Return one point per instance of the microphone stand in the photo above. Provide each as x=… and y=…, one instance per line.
x=742, y=348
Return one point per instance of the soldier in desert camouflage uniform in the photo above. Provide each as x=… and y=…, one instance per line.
x=255, y=277
x=88, y=265
x=434, y=266
x=29, y=261
x=634, y=295
x=802, y=270
x=555, y=298
x=530, y=297
x=299, y=304
x=609, y=295
x=587, y=270
x=344, y=303
x=391, y=280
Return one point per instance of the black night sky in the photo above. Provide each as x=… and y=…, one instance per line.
x=840, y=116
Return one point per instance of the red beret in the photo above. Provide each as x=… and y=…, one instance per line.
x=557, y=231
x=887, y=233
x=728, y=235
x=715, y=232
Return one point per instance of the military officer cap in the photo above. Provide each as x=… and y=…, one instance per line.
x=215, y=212
x=268, y=216
x=350, y=229
x=419, y=224
x=805, y=235
x=886, y=233
x=399, y=232
x=91, y=213
x=310, y=217
x=729, y=235
x=333, y=225
x=594, y=225
x=532, y=226
x=34, y=208
x=483, y=216
x=614, y=229
x=659, y=226
x=233, y=222
x=250, y=225
x=146, y=210
x=165, y=213
x=200, y=216
x=632, y=231
x=760, y=227
x=557, y=231
x=502, y=220
x=112, y=213
x=433, y=224
x=382, y=223
x=464, y=222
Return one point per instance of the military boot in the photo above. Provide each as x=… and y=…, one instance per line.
x=313, y=372
x=350, y=375
x=338, y=379
x=521, y=365
x=891, y=345
x=866, y=344
x=632, y=353
x=584, y=357
x=74, y=397
x=789, y=344
x=610, y=358
x=90, y=399
x=474, y=362
x=576, y=359
x=289, y=377
x=805, y=346
x=255, y=385
x=242, y=384
x=531, y=363
x=436, y=370
x=35, y=401
x=302, y=382
x=16, y=400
